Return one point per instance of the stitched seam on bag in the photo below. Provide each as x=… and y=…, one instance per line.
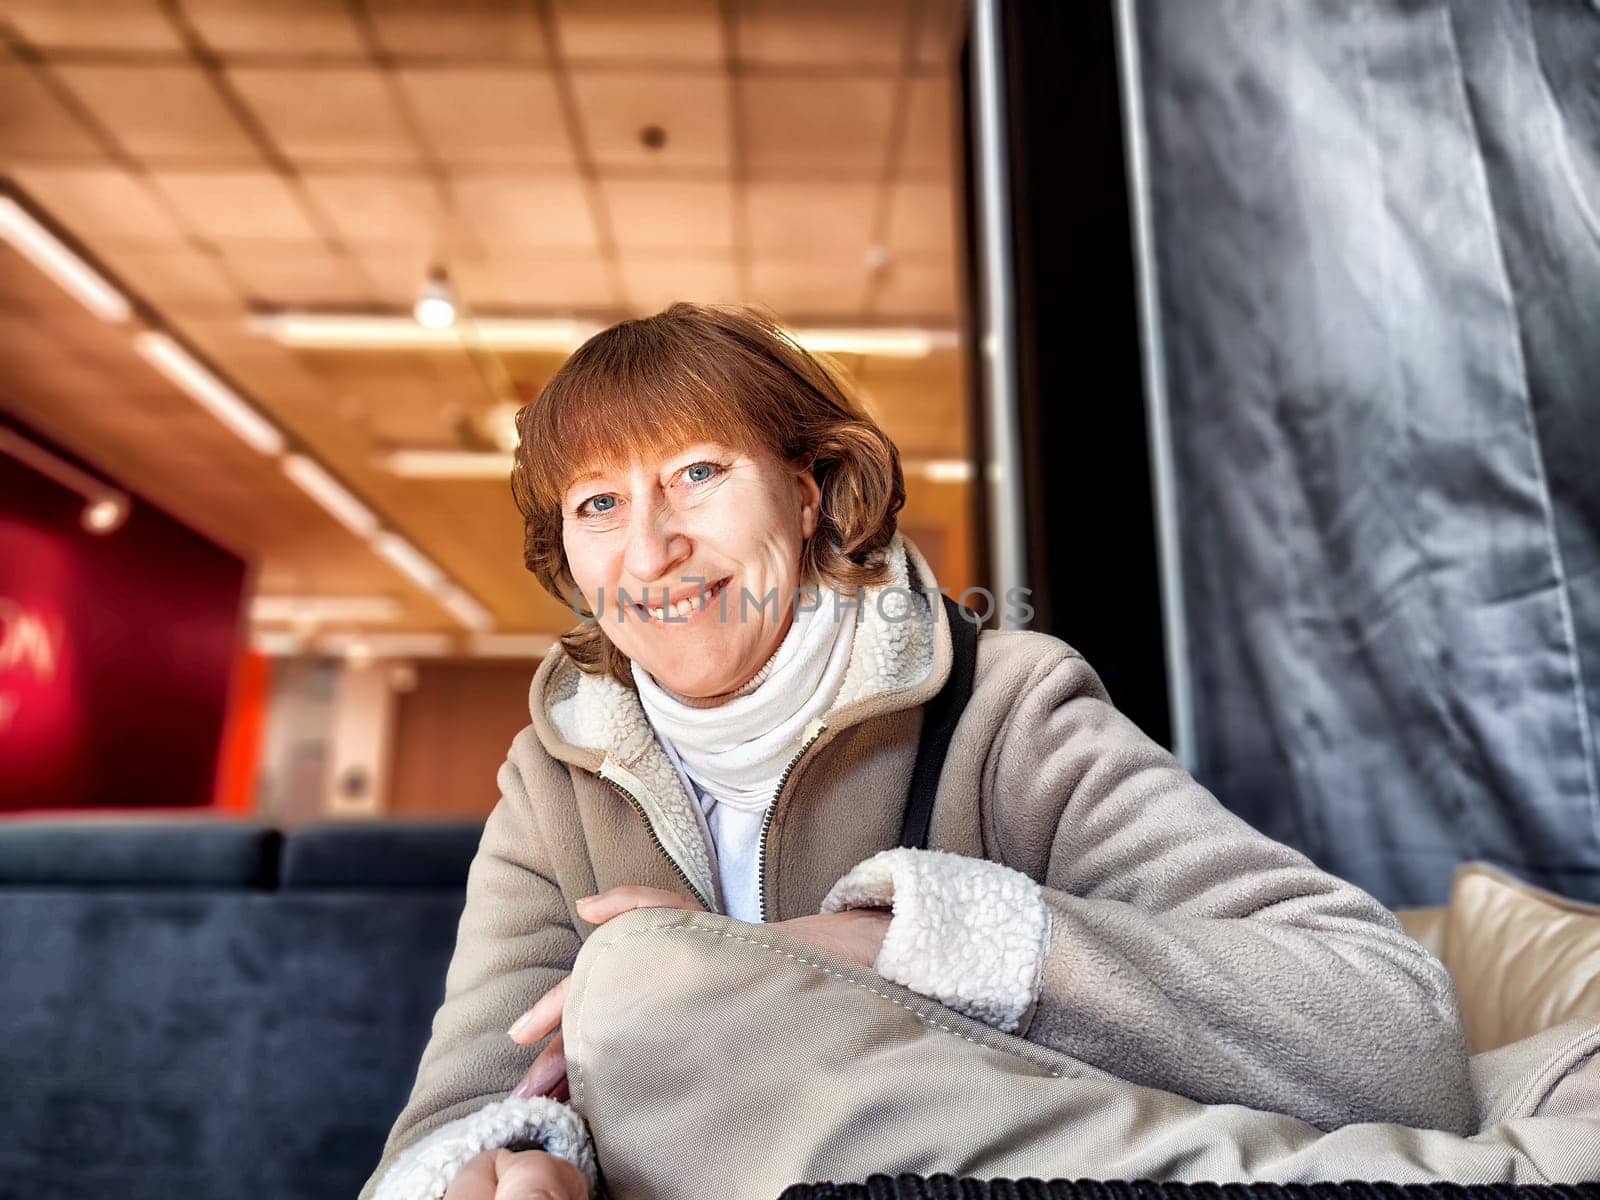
x=896, y=1001
x=1542, y=1082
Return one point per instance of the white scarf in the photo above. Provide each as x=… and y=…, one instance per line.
x=737, y=750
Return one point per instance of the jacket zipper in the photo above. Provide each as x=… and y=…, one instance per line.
x=772, y=809
x=651, y=830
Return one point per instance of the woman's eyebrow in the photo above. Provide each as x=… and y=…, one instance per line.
x=573, y=493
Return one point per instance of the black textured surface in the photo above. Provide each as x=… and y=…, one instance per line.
x=948, y=1187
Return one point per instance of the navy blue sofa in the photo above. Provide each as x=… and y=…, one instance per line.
x=211, y=1009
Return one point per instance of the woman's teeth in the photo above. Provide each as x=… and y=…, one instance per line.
x=687, y=605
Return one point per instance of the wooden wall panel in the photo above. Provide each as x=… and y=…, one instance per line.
x=451, y=734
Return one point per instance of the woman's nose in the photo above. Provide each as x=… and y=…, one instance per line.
x=655, y=544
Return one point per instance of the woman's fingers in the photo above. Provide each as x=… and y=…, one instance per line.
x=599, y=909
x=535, y=1175
x=856, y=934
x=475, y=1180
x=548, y=1071
x=544, y=1016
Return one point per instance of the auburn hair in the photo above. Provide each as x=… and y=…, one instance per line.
x=692, y=373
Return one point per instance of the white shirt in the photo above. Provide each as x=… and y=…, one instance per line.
x=734, y=835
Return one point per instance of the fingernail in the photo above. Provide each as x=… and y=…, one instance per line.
x=526, y=1090
x=585, y=901
x=521, y=1024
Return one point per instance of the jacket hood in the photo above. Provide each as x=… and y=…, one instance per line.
x=900, y=657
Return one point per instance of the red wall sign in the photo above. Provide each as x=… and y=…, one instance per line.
x=115, y=652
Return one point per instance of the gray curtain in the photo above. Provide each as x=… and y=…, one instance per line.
x=1374, y=249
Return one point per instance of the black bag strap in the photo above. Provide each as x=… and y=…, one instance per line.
x=939, y=718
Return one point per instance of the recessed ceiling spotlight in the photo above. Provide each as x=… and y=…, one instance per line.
x=106, y=514
x=879, y=258
x=436, y=303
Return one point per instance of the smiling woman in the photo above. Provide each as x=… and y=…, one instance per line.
x=704, y=432
x=733, y=726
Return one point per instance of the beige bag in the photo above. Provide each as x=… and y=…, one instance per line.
x=714, y=1058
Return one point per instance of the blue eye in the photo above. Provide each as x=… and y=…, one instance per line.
x=689, y=472
x=602, y=504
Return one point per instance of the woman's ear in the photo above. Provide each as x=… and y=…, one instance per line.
x=810, y=501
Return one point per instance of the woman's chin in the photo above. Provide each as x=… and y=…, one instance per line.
x=696, y=680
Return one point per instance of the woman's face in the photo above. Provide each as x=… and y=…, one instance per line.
x=717, y=527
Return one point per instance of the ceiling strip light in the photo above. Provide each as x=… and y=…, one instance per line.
x=45, y=251
x=327, y=491
x=879, y=343
x=941, y=470
x=178, y=365
x=330, y=331
x=449, y=464
x=386, y=645
x=318, y=610
x=466, y=610
x=276, y=644
x=409, y=561
x=379, y=331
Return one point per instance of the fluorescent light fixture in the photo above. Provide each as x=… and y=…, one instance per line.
x=941, y=470
x=409, y=561
x=178, y=365
x=324, y=610
x=466, y=609
x=384, y=332
x=45, y=251
x=449, y=464
x=331, y=331
x=105, y=508
x=436, y=303
x=275, y=644
x=880, y=343
x=327, y=491
x=367, y=646
x=511, y=645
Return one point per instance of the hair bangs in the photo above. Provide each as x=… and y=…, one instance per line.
x=597, y=424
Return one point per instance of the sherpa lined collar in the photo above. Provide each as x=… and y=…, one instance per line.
x=594, y=722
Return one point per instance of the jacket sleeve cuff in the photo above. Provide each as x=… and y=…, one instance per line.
x=423, y=1171
x=969, y=933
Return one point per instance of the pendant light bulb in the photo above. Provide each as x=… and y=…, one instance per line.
x=436, y=303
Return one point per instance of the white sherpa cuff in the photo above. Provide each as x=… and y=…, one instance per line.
x=424, y=1171
x=969, y=933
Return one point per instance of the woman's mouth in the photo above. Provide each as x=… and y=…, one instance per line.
x=687, y=608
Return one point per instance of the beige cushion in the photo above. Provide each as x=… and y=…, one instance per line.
x=1425, y=925
x=1523, y=959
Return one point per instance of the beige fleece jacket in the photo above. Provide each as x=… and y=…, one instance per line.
x=1082, y=890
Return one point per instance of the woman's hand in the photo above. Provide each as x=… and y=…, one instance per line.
x=548, y=1074
x=855, y=934
x=518, y=1175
